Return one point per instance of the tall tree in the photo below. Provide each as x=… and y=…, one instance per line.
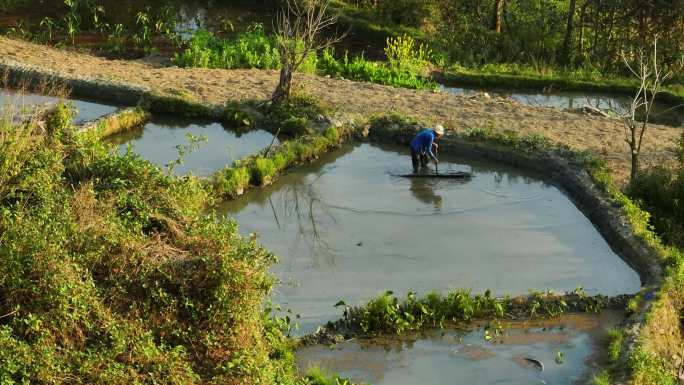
x=497, y=16
x=566, y=50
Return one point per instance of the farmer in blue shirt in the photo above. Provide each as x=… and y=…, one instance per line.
x=423, y=147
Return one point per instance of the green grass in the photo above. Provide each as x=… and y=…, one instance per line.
x=615, y=341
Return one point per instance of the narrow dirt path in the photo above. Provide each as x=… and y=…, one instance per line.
x=600, y=135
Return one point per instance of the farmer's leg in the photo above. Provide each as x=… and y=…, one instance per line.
x=416, y=161
x=424, y=159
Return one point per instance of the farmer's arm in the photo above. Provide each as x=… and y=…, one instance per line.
x=430, y=146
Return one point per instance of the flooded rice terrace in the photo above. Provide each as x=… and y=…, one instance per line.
x=347, y=229
x=663, y=113
x=87, y=110
x=567, y=349
x=218, y=147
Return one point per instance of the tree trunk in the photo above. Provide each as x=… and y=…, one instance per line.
x=284, y=85
x=580, y=44
x=635, y=166
x=496, y=18
x=566, y=51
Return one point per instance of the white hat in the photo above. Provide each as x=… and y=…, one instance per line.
x=439, y=129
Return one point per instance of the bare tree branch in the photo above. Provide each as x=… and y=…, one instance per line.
x=651, y=77
x=300, y=27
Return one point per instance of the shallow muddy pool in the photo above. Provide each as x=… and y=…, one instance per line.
x=347, y=229
x=663, y=113
x=158, y=142
x=567, y=349
x=87, y=110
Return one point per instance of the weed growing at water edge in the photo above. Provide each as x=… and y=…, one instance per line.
x=615, y=340
x=602, y=378
x=262, y=171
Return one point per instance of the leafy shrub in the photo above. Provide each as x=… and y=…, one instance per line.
x=112, y=272
x=59, y=120
x=292, y=115
x=661, y=192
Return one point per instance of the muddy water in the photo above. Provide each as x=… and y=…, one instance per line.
x=347, y=229
x=87, y=110
x=663, y=112
x=567, y=348
x=157, y=142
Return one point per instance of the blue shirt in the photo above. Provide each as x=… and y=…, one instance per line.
x=423, y=142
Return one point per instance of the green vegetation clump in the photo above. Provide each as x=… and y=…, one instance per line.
x=293, y=116
x=113, y=273
x=360, y=69
x=317, y=376
x=615, y=342
x=660, y=191
x=250, y=49
x=235, y=115
x=406, y=66
x=262, y=171
x=122, y=121
x=389, y=314
x=233, y=181
x=602, y=378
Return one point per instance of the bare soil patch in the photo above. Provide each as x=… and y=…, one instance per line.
x=600, y=135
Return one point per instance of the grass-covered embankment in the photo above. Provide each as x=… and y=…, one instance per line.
x=120, y=121
x=308, y=134
x=113, y=273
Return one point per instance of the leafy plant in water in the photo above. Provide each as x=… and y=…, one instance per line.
x=194, y=143
x=559, y=357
